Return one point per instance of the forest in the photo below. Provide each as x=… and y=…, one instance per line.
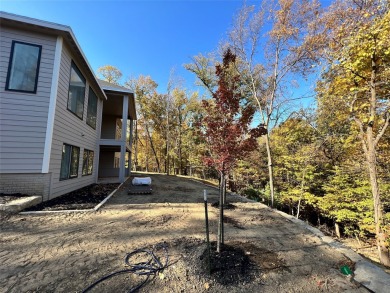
x=246, y=125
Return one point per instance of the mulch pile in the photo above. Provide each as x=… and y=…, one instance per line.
x=231, y=266
x=85, y=198
x=237, y=264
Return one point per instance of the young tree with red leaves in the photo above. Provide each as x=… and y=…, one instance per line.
x=227, y=127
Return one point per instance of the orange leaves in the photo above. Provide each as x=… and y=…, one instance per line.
x=227, y=121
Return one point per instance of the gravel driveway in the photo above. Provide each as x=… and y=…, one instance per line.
x=67, y=252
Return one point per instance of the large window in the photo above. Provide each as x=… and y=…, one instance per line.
x=69, y=162
x=92, y=109
x=76, y=92
x=88, y=162
x=23, y=67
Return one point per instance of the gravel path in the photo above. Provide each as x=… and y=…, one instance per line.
x=67, y=252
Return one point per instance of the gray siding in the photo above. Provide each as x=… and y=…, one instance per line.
x=70, y=129
x=23, y=116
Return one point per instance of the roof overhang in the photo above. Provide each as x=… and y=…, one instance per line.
x=46, y=27
x=117, y=90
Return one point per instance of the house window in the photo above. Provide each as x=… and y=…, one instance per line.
x=69, y=162
x=87, y=162
x=23, y=67
x=92, y=109
x=76, y=92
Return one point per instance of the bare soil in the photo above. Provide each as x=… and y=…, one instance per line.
x=263, y=251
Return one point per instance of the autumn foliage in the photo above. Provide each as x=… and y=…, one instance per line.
x=227, y=124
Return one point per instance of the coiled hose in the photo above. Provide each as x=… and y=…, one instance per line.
x=147, y=268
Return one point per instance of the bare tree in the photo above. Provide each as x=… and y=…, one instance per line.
x=283, y=55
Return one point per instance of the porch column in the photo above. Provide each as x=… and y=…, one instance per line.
x=125, y=106
x=131, y=144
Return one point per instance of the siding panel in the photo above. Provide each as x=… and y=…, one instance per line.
x=22, y=143
x=70, y=129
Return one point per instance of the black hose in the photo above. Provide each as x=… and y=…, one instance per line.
x=147, y=269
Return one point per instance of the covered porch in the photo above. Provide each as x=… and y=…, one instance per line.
x=116, y=134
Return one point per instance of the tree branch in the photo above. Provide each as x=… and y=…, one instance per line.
x=382, y=131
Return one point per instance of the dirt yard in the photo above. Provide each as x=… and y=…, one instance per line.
x=66, y=252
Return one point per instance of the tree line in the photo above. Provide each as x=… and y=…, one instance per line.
x=328, y=164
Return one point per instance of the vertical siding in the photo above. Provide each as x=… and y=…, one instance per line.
x=23, y=116
x=70, y=129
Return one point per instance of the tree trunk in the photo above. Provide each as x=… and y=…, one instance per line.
x=270, y=169
x=301, y=195
x=299, y=207
x=222, y=210
x=224, y=189
x=337, y=230
x=220, y=218
x=180, y=156
x=153, y=149
x=167, y=144
x=370, y=150
x=383, y=251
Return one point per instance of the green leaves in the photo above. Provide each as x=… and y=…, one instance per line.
x=348, y=200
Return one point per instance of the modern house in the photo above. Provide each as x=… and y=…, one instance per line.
x=60, y=127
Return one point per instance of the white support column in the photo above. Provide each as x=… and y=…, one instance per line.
x=131, y=144
x=125, y=106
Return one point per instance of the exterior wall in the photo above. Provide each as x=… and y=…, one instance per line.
x=108, y=127
x=23, y=116
x=70, y=129
x=106, y=164
x=31, y=184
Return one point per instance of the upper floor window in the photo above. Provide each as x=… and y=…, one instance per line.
x=76, y=92
x=23, y=68
x=92, y=109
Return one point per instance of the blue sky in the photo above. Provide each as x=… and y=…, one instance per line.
x=149, y=37
x=138, y=37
